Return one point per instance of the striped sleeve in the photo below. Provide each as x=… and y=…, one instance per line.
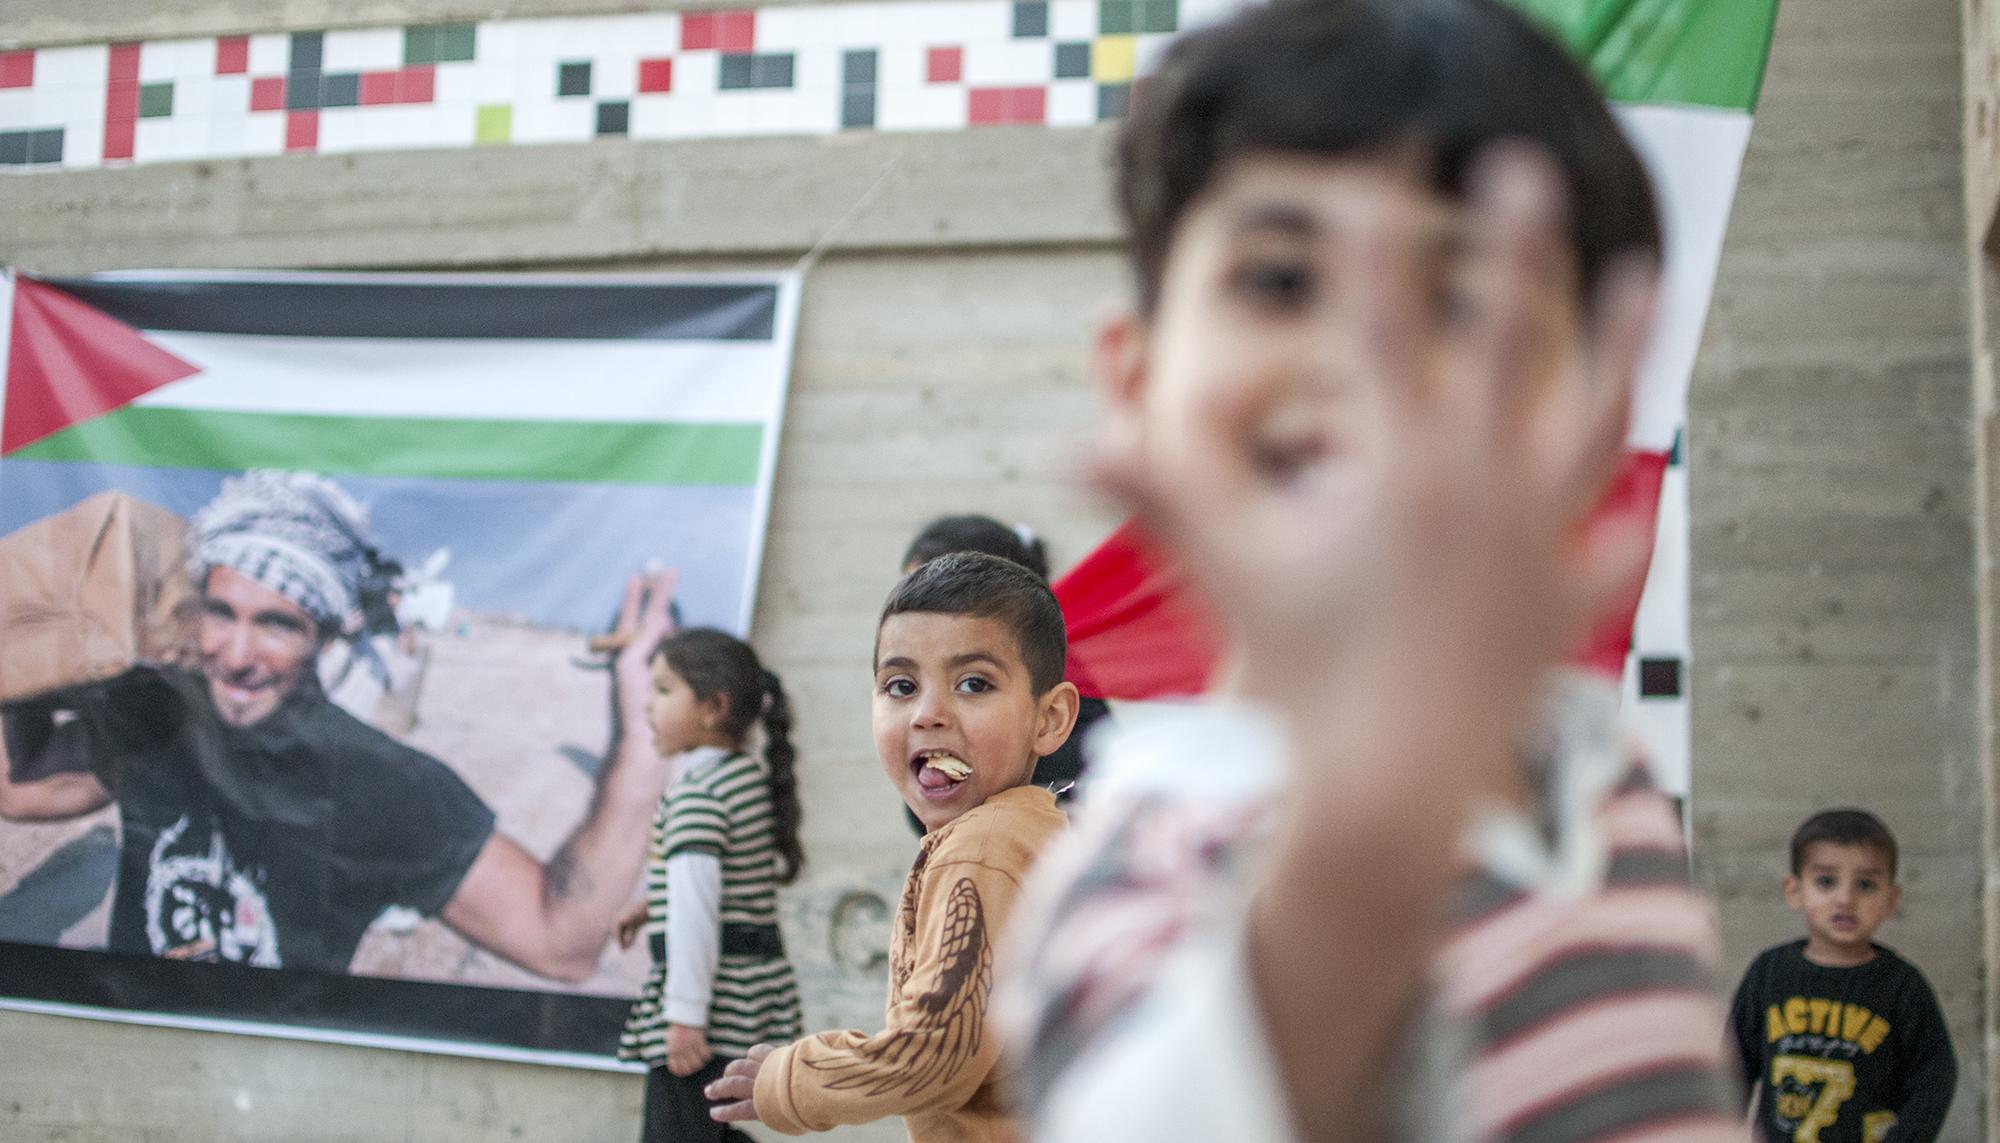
x=1596, y=1017
x=697, y=822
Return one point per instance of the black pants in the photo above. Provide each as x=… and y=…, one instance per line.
x=677, y=1111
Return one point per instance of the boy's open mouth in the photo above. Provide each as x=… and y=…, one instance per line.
x=939, y=773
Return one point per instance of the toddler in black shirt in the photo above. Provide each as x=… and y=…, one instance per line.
x=1844, y=1036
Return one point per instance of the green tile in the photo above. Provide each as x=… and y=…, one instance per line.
x=420, y=44
x=1158, y=15
x=1116, y=17
x=455, y=42
x=156, y=100
x=495, y=124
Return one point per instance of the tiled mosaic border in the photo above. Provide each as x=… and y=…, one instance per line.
x=791, y=69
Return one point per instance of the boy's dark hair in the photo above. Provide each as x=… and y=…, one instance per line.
x=1843, y=827
x=714, y=662
x=1371, y=77
x=979, y=586
x=972, y=533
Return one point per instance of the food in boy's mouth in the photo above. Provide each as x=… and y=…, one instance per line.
x=940, y=769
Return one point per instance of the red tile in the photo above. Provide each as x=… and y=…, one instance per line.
x=736, y=31
x=378, y=87
x=945, y=65
x=416, y=85
x=121, y=99
x=697, y=31
x=118, y=136
x=988, y=105
x=232, y=55
x=656, y=75
x=125, y=62
x=267, y=93
x=17, y=69
x=302, y=131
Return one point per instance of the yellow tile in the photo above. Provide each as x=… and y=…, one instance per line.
x=495, y=124
x=1113, y=59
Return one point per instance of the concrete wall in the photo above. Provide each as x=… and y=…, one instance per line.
x=940, y=367
x=1836, y=660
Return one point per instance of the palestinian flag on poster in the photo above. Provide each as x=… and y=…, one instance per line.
x=516, y=447
x=1683, y=76
x=542, y=430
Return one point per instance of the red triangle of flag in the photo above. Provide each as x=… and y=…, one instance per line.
x=68, y=362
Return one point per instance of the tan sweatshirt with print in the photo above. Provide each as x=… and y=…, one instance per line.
x=937, y=1062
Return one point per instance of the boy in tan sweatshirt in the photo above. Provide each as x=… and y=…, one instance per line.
x=968, y=695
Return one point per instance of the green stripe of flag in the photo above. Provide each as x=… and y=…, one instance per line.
x=1707, y=52
x=584, y=451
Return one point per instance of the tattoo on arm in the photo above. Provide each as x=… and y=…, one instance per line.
x=566, y=878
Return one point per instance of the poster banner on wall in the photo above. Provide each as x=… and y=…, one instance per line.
x=296, y=578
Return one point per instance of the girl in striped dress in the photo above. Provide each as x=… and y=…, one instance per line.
x=725, y=837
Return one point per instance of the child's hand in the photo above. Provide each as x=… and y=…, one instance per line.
x=687, y=1049
x=631, y=925
x=644, y=620
x=732, y=1093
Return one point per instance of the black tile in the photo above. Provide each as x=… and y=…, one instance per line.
x=573, y=78
x=1031, y=18
x=1073, y=61
x=771, y=70
x=857, y=107
x=308, y=49
x=1113, y=99
x=1659, y=678
x=340, y=90
x=734, y=71
x=45, y=146
x=302, y=90
x=614, y=118
x=857, y=67
x=14, y=147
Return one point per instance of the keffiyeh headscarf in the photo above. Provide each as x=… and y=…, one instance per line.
x=297, y=533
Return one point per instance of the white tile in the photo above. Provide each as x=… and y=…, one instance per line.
x=17, y=109
x=1072, y=103
x=901, y=65
x=191, y=138
x=818, y=70
x=270, y=54
x=647, y=34
x=226, y=135
x=83, y=145
x=90, y=64
x=930, y=107
x=786, y=29
x=1072, y=20
x=863, y=25
x=342, y=129
x=614, y=77
x=155, y=141
x=691, y=117
x=456, y=87
x=1010, y=63
x=229, y=95
x=1196, y=13
x=697, y=74
x=567, y=122
x=497, y=40
x=159, y=60
x=363, y=49
x=195, y=97
x=488, y=82
x=264, y=135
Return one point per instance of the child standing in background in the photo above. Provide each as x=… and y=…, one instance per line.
x=1844, y=1036
x=725, y=837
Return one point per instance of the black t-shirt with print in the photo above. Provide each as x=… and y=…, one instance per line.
x=1845, y=1055
x=276, y=844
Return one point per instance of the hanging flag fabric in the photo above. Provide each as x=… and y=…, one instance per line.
x=1683, y=77
x=440, y=485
